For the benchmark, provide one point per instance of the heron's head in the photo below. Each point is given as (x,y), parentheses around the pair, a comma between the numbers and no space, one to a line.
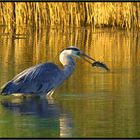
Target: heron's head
(73,51)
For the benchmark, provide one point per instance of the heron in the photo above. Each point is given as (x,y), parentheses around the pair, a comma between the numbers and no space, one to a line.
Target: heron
(44,78)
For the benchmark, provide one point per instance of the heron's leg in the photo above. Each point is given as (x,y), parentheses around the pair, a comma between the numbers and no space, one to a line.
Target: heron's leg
(22,96)
(18,95)
(49,97)
(50,100)
(49,94)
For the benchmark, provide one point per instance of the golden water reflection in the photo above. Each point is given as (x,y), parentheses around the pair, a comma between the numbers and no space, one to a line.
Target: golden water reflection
(101,104)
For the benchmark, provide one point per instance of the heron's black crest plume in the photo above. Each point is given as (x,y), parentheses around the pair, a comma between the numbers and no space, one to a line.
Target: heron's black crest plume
(71,48)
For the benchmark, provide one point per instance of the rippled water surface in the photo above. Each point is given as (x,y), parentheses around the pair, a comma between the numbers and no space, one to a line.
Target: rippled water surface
(92,102)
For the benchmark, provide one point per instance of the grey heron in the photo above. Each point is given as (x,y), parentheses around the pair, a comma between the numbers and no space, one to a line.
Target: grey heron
(43,79)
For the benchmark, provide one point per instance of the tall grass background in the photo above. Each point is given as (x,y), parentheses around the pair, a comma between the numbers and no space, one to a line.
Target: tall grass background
(74,14)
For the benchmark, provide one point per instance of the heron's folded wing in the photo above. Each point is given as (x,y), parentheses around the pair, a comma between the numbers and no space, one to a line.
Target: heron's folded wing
(41,77)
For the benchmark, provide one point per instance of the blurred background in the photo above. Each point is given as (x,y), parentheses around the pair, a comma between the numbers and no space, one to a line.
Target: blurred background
(92,102)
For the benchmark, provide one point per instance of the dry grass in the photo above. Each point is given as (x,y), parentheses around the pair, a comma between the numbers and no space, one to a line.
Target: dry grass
(75,14)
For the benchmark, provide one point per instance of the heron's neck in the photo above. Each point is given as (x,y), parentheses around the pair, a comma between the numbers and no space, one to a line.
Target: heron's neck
(68,69)
(68,64)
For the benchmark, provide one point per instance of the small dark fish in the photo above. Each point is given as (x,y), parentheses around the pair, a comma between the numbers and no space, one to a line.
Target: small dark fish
(100,64)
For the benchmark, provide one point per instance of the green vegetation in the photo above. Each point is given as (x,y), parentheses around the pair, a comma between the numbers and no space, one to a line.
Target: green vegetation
(75,14)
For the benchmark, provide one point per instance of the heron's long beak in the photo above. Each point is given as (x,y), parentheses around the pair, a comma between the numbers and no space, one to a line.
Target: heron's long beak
(84,56)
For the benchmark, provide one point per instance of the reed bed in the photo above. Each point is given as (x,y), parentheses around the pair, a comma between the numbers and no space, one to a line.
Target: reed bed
(75,14)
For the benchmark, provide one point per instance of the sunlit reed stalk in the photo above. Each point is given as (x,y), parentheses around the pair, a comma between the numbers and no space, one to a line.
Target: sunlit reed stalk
(74,14)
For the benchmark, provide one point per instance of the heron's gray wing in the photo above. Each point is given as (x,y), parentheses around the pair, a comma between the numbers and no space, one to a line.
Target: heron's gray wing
(40,78)
(22,76)
(14,84)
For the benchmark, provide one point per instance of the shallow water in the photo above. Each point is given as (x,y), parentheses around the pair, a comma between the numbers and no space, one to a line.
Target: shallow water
(92,102)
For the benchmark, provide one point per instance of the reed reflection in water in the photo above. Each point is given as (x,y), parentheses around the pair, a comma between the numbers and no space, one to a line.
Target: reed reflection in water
(95,103)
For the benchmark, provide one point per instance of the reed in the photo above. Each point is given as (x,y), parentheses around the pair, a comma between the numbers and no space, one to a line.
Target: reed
(74,14)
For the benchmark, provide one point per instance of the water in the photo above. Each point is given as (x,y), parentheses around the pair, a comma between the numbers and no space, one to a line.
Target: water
(92,102)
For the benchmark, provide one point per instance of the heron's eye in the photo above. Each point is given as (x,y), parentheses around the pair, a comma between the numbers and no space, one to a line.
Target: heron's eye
(78,52)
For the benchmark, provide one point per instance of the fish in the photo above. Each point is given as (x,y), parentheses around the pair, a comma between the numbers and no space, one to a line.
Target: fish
(100,64)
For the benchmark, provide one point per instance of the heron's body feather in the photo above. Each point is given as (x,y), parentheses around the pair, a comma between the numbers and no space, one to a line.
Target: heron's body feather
(38,79)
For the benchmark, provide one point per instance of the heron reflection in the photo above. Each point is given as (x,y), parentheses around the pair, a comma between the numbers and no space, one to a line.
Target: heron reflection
(42,109)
